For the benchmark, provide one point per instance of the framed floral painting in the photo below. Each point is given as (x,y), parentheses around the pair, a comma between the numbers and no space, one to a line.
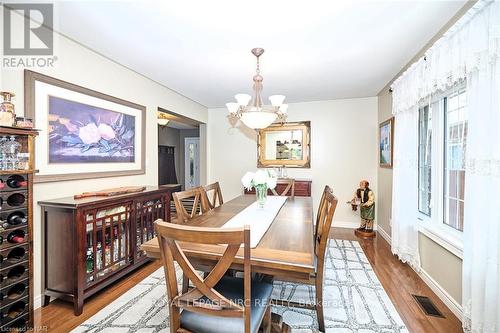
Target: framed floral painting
(83,133)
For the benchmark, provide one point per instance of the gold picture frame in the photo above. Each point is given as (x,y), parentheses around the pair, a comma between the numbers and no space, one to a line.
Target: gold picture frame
(386,143)
(285,145)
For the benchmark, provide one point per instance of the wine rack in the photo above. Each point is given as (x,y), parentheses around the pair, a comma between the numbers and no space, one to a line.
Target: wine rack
(92,242)
(16,211)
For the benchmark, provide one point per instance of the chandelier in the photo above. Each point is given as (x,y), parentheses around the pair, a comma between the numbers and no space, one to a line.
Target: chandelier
(251,111)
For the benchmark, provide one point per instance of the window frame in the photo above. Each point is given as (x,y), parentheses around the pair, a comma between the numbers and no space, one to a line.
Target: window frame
(433,226)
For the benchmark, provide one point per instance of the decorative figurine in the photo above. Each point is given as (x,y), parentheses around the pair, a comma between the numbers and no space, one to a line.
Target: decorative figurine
(7,113)
(365,199)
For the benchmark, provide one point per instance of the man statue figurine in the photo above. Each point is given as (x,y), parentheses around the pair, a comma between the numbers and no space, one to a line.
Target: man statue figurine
(365,198)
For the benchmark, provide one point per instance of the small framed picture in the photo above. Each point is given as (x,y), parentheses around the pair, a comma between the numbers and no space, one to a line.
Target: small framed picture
(386,143)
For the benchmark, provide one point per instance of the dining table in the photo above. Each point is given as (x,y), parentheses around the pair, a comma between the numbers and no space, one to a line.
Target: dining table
(285,251)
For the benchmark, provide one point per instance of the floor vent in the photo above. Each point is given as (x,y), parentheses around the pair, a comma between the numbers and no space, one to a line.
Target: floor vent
(427,306)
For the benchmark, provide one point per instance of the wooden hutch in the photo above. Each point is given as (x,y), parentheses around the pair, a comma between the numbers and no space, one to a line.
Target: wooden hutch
(16,230)
(92,242)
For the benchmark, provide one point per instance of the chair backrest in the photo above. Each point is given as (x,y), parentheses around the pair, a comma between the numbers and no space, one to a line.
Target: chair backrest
(213,195)
(189,204)
(324,219)
(213,303)
(290,186)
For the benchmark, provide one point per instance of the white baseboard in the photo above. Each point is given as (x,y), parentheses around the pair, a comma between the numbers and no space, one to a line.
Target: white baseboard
(384,235)
(348,225)
(442,294)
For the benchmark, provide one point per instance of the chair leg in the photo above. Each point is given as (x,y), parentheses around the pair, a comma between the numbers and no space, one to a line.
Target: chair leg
(319,302)
(266,321)
(185,284)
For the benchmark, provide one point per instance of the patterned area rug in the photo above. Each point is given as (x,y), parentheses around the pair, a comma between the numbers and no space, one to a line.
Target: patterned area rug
(354,301)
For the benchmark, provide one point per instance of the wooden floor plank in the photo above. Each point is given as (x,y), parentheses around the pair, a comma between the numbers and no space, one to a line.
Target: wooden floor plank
(398,279)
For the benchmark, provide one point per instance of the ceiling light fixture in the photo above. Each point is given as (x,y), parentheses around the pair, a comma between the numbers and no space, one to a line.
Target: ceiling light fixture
(162,118)
(251,111)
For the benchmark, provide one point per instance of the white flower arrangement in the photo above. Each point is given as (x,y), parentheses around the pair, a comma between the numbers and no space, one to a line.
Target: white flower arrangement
(260,178)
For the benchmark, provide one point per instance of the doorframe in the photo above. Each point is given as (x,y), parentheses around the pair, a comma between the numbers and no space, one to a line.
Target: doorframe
(202,145)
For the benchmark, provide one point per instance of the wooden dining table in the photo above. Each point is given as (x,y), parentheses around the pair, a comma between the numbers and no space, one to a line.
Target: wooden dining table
(285,251)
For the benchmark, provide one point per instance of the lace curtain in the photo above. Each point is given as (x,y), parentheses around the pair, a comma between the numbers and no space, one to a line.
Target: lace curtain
(404,199)
(471,44)
(481,260)
(469,51)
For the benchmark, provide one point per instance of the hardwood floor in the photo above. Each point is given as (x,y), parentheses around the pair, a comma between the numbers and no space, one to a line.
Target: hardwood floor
(398,279)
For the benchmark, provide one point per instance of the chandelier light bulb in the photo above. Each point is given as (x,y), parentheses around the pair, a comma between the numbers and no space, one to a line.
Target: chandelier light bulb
(283,108)
(232,107)
(277,100)
(243,99)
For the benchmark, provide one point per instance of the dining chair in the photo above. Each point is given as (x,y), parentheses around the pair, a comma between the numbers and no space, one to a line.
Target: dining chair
(217,303)
(290,187)
(189,204)
(326,210)
(213,195)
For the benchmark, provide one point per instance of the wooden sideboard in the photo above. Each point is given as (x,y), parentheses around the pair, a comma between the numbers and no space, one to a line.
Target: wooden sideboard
(302,188)
(92,242)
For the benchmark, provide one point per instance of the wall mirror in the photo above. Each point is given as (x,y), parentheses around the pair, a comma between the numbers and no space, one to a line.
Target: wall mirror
(286,144)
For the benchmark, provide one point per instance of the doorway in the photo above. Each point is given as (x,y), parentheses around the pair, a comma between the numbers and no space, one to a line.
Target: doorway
(180,150)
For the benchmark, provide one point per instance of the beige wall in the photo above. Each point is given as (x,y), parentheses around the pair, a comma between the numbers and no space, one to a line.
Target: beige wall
(441,265)
(384,175)
(343,150)
(444,267)
(79,65)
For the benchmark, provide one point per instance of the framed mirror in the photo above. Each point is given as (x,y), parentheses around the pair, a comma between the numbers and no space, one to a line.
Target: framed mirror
(287,144)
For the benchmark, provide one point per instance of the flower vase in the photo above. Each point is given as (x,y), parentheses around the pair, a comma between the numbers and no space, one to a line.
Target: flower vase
(261,193)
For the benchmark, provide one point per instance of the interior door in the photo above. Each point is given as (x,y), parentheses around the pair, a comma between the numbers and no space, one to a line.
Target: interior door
(192,162)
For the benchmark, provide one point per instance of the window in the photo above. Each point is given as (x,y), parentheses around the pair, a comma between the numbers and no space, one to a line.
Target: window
(424,160)
(442,148)
(455,145)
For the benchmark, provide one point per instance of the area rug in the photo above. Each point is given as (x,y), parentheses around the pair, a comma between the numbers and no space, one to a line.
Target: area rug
(355,301)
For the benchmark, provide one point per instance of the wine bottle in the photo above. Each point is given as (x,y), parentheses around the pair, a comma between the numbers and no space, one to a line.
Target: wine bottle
(16,181)
(16,237)
(17,218)
(90,261)
(16,254)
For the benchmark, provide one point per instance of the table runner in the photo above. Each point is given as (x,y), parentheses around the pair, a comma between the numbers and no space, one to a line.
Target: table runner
(259,219)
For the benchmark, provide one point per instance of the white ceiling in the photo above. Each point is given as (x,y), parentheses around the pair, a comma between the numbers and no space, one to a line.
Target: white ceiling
(315,50)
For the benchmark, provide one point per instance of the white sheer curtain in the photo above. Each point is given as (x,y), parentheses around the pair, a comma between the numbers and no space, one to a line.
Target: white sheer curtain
(470,50)
(404,238)
(481,261)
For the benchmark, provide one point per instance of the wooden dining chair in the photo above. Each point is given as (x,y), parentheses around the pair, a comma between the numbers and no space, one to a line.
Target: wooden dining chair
(326,210)
(289,187)
(189,204)
(217,303)
(213,195)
